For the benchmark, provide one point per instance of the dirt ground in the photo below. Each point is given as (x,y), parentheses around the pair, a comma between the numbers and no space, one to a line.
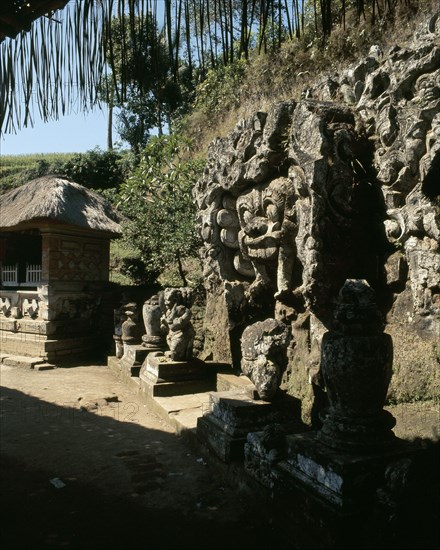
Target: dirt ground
(85,464)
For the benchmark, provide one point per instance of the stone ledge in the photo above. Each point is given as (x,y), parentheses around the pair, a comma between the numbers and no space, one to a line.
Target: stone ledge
(24,361)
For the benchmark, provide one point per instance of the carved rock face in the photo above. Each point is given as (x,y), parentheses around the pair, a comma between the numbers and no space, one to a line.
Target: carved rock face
(263,346)
(295,201)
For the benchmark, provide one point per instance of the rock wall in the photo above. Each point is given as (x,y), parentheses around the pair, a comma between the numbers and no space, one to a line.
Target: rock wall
(342,184)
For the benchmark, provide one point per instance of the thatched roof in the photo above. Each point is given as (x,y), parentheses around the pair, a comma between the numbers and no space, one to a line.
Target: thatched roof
(57,199)
(16,15)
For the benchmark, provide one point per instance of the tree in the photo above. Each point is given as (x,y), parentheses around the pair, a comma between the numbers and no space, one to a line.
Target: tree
(57,62)
(143,83)
(157,200)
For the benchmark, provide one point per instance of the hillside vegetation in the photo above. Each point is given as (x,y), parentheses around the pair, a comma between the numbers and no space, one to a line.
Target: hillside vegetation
(18,169)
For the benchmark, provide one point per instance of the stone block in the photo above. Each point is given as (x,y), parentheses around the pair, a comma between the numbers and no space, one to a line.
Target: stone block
(232,382)
(133,358)
(162,377)
(22,361)
(162,369)
(232,415)
(44,366)
(7,324)
(345,480)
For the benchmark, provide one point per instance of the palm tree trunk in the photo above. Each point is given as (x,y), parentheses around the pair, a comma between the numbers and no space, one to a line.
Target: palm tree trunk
(110,127)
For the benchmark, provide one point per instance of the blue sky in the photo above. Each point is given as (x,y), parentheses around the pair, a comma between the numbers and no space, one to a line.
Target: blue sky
(75,133)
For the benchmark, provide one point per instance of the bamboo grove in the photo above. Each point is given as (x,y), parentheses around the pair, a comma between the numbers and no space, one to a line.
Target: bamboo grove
(57,66)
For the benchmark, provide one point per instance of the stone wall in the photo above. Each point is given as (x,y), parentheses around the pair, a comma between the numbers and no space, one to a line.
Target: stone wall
(75,258)
(343,184)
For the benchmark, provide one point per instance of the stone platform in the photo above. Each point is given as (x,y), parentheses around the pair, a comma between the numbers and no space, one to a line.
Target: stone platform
(161,376)
(346,480)
(180,409)
(231,415)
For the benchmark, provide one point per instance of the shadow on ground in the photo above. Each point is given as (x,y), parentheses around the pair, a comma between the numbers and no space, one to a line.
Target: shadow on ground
(124,485)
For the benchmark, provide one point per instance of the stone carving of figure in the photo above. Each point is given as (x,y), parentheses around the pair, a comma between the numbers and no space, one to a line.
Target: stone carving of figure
(177,322)
(266,236)
(264,358)
(152,313)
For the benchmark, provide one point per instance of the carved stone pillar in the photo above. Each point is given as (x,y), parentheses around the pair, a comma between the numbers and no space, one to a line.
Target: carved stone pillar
(356,362)
(131,330)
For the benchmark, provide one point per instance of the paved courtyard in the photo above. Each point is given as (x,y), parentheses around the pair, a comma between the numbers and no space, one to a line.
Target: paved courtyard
(85,464)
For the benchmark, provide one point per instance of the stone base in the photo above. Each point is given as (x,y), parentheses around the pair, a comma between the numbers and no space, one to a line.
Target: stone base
(161,376)
(232,415)
(48,348)
(345,480)
(133,358)
(233,382)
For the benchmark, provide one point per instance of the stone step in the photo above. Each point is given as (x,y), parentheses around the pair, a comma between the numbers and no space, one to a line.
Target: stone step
(23,361)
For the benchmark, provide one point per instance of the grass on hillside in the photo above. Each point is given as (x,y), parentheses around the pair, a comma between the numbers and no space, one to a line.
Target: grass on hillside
(19,169)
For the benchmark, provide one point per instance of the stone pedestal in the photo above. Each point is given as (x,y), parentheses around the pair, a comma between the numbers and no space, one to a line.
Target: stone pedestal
(133,358)
(345,480)
(160,376)
(231,415)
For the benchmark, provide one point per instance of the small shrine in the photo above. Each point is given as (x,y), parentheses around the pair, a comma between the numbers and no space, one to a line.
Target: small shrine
(54,256)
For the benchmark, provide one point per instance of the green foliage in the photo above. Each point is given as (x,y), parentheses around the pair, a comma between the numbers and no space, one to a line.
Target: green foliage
(148,91)
(126,266)
(16,170)
(157,200)
(220,90)
(95,169)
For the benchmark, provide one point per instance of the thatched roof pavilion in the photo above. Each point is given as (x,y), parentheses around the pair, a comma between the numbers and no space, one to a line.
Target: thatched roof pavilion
(54,262)
(58,200)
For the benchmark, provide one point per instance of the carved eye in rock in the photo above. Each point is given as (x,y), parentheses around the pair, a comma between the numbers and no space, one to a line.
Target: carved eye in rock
(227,218)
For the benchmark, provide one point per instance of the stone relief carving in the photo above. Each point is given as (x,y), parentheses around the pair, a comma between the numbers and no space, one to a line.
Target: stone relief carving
(295,201)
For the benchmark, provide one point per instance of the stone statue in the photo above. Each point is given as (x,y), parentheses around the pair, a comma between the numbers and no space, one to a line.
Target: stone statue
(152,313)
(356,363)
(176,320)
(264,358)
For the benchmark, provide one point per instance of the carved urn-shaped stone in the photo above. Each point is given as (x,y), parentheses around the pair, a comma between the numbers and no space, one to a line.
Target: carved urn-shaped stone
(151,312)
(131,329)
(356,362)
